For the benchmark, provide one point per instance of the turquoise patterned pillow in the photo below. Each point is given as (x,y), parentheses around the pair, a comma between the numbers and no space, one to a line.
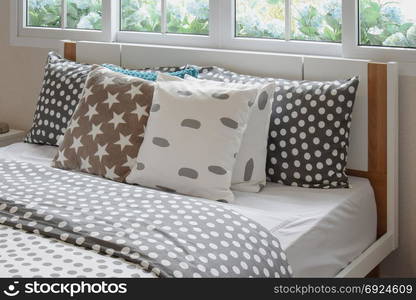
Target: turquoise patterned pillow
(150,75)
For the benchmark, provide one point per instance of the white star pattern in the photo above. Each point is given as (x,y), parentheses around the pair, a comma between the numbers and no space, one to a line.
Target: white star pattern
(131,162)
(107,81)
(101,152)
(117,120)
(111,100)
(85,164)
(74,124)
(144,131)
(76,144)
(103,71)
(140,111)
(96,130)
(130,78)
(61,157)
(135,91)
(88,92)
(92,111)
(124,141)
(107,135)
(110,173)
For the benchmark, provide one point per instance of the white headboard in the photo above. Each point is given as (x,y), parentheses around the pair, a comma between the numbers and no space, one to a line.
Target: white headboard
(317,68)
(294,67)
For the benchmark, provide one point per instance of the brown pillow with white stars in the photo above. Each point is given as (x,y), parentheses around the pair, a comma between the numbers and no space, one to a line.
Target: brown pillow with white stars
(107,128)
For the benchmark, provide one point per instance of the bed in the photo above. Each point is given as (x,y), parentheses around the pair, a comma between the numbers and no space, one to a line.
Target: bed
(336,226)
(324,233)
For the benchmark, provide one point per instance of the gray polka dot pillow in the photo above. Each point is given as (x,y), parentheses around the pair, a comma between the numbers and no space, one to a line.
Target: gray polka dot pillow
(62,88)
(309,128)
(309,133)
(193,134)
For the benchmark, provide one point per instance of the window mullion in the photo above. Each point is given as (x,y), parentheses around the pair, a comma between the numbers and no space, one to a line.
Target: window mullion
(22,13)
(288,17)
(163,16)
(349,27)
(222,22)
(110,19)
(64,14)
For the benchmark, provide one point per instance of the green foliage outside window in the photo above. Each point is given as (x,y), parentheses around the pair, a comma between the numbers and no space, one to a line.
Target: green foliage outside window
(44,13)
(383,23)
(315,20)
(141,15)
(183,16)
(84,14)
(81,14)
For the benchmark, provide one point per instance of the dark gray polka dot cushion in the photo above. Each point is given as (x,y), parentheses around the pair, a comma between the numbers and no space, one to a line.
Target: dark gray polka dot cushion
(309,129)
(62,88)
(309,133)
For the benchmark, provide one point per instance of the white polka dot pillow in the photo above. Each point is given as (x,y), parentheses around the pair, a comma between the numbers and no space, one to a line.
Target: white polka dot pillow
(309,133)
(192,137)
(63,84)
(309,129)
(249,174)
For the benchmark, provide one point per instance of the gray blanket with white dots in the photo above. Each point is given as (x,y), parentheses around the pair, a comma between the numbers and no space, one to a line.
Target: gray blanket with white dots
(167,234)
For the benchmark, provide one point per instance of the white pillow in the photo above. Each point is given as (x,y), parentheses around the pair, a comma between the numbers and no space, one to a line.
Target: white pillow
(193,134)
(249,173)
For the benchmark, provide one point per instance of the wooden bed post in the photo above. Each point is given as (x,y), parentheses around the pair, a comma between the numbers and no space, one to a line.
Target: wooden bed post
(70,50)
(377,141)
(377,145)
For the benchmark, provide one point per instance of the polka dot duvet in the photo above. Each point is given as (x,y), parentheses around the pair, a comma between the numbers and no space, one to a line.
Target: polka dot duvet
(160,234)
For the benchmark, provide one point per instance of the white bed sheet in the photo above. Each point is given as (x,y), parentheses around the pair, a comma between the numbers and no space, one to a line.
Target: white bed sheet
(321,230)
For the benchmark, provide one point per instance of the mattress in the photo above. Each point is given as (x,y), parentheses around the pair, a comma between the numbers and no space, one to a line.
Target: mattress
(322,231)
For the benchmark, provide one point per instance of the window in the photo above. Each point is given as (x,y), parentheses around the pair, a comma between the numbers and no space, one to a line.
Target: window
(317,20)
(44,13)
(84,14)
(374,29)
(141,15)
(388,23)
(80,14)
(260,19)
(188,16)
(179,16)
(308,20)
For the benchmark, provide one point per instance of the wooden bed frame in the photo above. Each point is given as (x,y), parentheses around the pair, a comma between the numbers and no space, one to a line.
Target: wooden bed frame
(379,125)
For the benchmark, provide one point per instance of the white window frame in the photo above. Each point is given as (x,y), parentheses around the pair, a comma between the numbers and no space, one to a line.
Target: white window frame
(350,40)
(210,40)
(230,41)
(23,35)
(221,34)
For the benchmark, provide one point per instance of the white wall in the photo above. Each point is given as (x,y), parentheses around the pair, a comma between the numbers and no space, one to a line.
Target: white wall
(21,76)
(403,261)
